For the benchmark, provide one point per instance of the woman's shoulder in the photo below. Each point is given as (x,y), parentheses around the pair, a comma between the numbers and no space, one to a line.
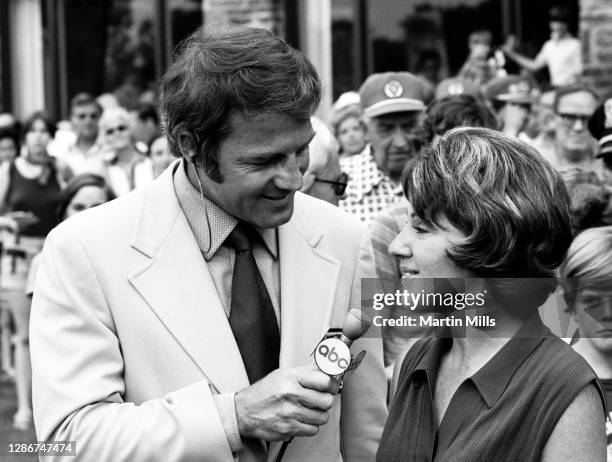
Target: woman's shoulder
(555,357)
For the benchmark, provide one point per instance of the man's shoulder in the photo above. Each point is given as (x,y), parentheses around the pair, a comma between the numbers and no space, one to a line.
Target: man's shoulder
(328,218)
(115,218)
(323,212)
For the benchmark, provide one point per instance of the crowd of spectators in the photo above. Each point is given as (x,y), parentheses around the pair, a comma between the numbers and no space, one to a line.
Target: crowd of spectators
(390,153)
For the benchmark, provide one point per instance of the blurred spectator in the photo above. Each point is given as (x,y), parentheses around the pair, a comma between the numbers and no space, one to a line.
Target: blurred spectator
(146,125)
(83,192)
(9,144)
(562,53)
(8,121)
(574,145)
(511,98)
(600,126)
(428,66)
(590,204)
(393,105)
(126,167)
(441,116)
(456,86)
(347,99)
(479,68)
(587,289)
(82,154)
(30,191)
(324,179)
(540,130)
(456,111)
(350,130)
(107,101)
(160,155)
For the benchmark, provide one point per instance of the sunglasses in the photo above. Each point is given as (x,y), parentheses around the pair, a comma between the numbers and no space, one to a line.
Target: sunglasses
(339,184)
(119,128)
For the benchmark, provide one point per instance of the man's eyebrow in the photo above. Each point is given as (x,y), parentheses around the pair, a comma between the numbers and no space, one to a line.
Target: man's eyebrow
(265,155)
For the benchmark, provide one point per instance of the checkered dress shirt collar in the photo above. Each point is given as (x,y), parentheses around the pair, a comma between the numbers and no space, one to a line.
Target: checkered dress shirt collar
(369,190)
(209,223)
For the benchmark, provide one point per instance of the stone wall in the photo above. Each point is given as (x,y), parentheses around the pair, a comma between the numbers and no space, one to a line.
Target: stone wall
(596,35)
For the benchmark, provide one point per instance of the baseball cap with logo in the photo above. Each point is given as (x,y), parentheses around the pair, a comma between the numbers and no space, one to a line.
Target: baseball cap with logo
(511,89)
(394,92)
(455,86)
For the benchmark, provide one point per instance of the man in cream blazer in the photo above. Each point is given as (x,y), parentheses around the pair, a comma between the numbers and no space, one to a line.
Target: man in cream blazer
(131,346)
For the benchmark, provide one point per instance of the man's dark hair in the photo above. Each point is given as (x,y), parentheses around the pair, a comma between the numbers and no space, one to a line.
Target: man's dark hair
(84,99)
(456,111)
(559,13)
(242,70)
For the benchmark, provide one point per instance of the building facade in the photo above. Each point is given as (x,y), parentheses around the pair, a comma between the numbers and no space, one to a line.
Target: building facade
(53,49)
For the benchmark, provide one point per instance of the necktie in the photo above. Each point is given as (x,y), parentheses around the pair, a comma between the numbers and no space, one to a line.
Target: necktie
(252,316)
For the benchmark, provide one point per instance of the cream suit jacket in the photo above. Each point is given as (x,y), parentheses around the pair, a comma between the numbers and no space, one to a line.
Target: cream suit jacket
(129,340)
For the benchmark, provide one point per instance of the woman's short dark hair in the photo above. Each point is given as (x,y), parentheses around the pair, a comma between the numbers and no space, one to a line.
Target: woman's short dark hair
(38,115)
(240,70)
(9,132)
(456,111)
(75,185)
(511,204)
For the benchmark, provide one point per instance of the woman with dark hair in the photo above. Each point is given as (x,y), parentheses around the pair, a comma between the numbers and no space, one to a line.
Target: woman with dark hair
(9,144)
(83,192)
(486,209)
(29,193)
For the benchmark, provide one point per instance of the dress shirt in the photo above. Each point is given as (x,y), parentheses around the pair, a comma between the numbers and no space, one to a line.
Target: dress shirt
(369,190)
(211,225)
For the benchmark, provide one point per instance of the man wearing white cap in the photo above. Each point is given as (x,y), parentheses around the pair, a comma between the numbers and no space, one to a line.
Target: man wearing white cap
(393,105)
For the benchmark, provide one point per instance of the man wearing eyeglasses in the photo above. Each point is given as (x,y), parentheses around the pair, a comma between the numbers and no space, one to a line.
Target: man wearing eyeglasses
(573,106)
(324,179)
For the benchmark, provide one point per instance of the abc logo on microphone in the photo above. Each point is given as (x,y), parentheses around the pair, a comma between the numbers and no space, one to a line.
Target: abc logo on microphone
(332,356)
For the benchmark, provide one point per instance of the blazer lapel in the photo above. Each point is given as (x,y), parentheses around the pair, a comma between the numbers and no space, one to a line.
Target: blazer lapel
(308,286)
(177,285)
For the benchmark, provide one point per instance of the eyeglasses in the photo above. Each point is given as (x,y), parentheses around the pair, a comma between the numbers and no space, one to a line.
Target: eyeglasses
(119,128)
(570,119)
(340,183)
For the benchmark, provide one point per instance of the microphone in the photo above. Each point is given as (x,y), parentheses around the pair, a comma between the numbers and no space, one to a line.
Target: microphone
(356,324)
(332,355)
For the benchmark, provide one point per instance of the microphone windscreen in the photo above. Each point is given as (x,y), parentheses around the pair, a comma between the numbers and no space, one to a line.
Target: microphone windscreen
(356,324)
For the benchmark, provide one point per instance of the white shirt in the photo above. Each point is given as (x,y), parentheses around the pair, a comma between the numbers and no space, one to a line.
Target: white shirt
(564,60)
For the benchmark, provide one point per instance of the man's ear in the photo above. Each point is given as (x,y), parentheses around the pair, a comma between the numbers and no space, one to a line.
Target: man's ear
(309,180)
(187,146)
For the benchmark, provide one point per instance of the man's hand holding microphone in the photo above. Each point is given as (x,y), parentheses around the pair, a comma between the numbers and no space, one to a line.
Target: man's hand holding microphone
(295,401)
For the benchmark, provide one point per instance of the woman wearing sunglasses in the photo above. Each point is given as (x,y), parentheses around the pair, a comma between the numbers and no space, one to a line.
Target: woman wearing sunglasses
(126,167)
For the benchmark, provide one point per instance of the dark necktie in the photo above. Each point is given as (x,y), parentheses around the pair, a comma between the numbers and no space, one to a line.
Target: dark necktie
(252,316)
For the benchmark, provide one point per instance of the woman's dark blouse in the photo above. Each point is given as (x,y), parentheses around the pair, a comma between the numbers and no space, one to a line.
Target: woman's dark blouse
(504,412)
(29,195)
